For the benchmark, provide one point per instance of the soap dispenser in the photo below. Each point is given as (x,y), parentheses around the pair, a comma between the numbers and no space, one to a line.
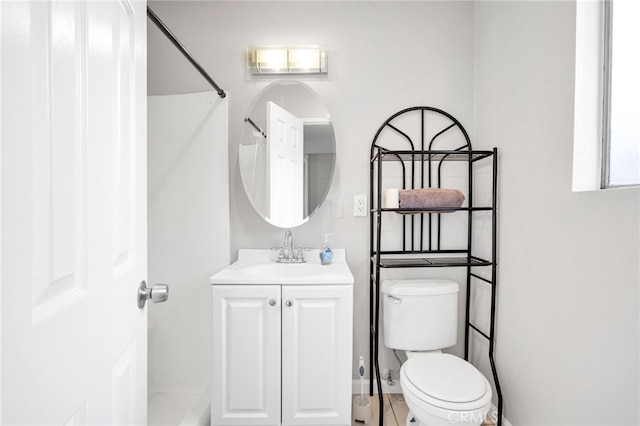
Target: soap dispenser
(326,254)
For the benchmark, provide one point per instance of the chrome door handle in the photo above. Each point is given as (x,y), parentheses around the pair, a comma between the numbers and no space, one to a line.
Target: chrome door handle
(272,302)
(158,293)
(288,303)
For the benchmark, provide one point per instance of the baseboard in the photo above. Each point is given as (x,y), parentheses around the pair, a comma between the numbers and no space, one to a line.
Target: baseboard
(386,388)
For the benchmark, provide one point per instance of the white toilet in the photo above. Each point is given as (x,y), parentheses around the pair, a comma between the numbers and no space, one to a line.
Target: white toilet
(421,317)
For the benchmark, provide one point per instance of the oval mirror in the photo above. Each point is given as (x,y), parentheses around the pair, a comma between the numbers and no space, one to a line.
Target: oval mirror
(287,153)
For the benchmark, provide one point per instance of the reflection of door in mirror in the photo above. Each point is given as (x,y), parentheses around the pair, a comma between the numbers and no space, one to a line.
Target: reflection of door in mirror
(286,169)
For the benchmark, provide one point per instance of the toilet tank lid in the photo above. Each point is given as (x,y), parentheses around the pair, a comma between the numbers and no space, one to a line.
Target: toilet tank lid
(419,287)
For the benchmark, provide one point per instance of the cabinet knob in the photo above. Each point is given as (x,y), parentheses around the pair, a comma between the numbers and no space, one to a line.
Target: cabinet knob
(272,302)
(288,303)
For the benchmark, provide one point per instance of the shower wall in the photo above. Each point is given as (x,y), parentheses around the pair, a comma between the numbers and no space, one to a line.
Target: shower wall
(188,235)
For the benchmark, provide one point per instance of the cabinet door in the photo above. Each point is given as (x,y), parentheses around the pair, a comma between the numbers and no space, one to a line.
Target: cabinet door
(246,355)
(316,355)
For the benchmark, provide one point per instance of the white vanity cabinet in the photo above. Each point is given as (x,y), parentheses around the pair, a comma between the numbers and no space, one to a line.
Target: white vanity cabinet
(282,354)
(246,348)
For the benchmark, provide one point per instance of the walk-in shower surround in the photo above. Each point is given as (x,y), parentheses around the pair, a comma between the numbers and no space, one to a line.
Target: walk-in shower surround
(188,233)
(505,69)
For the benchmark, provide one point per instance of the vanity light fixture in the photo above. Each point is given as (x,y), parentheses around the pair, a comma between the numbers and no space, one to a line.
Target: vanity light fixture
(279,60)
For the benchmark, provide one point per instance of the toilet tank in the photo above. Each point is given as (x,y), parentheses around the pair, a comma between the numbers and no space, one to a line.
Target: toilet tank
(420,314)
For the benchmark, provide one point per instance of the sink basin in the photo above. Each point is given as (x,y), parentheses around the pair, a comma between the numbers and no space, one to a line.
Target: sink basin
(259,266)
(289,270)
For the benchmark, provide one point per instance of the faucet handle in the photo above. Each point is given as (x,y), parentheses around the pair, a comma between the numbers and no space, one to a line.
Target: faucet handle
(288,239)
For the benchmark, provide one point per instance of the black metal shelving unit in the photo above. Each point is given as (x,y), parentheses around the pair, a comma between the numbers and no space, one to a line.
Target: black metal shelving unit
(420,143)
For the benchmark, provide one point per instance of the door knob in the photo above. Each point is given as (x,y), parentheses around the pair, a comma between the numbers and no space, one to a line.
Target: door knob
(272,302)
(288,303)
(158,293)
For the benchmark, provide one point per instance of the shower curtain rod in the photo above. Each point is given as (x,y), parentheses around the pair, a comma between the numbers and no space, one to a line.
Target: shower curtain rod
(154,18)
(255,126)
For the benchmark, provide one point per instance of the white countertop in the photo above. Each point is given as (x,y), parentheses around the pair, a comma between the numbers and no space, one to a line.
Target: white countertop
(258,266)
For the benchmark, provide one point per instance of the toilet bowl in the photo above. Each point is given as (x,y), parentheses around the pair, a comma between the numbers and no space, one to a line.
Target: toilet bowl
(442,389)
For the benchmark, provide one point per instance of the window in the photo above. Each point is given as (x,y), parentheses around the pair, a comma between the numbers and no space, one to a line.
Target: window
(621,97)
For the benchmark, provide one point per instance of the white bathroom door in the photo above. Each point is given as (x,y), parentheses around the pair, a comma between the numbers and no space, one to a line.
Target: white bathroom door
(73,218)
(286,166)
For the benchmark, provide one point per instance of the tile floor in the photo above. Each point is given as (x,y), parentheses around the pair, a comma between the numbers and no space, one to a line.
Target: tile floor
(395,411)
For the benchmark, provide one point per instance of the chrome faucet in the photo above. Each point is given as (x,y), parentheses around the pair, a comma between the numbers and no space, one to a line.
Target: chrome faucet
(288,241)
(288,253)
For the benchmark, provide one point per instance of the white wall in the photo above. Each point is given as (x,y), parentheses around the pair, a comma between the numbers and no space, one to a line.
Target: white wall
(377,67)
(568,304)
(567,335)
(188,235)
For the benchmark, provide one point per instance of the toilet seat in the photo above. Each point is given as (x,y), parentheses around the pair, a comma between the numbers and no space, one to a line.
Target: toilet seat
(445,381)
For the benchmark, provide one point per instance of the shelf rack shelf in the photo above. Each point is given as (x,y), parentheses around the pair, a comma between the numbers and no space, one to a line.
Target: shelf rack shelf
(433,262)
(439,155)
(422,129)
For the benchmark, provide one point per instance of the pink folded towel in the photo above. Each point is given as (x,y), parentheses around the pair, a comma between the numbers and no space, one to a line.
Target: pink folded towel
(424,198)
